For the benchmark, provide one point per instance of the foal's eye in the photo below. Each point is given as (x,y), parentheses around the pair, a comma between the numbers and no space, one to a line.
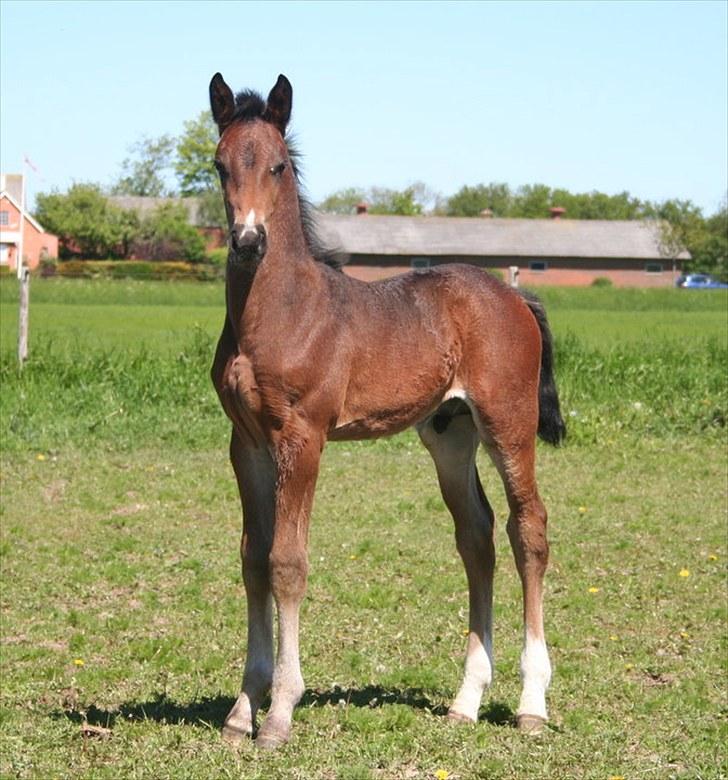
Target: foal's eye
(277,170)
(220,169)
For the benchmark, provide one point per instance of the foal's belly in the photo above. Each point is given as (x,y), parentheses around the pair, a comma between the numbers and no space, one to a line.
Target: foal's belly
(382,410)
(382,422)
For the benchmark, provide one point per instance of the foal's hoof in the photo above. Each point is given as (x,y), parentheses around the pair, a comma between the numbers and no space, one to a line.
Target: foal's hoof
(531,725)
(272,737)
(234,736)
(459,717)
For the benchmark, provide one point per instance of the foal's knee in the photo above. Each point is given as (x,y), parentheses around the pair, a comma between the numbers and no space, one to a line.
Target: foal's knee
(288,573)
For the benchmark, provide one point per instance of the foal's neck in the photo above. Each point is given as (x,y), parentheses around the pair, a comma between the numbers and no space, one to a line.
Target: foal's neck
(285,274)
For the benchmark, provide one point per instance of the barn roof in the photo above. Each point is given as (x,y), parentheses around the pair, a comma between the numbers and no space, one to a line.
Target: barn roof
(374,234)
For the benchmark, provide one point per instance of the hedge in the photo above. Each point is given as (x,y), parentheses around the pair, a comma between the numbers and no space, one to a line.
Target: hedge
(133,269)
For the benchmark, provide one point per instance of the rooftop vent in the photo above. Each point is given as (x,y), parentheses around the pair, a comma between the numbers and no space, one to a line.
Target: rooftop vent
(557,212)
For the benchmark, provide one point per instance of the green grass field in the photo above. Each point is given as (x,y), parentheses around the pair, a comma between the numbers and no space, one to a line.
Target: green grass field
(122,605)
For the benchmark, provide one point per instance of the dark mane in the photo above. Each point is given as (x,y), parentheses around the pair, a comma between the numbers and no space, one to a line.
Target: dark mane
(249,105)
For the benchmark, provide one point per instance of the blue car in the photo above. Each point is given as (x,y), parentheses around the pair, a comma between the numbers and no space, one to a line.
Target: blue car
(700,282)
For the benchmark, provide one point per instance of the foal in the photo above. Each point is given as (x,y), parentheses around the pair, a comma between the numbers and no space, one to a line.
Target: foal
(308,354)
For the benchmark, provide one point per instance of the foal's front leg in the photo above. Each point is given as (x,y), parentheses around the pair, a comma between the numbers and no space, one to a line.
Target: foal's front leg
(297,464)
(255,472)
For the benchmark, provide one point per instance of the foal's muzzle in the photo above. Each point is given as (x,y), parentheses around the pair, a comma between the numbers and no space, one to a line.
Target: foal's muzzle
(248,243)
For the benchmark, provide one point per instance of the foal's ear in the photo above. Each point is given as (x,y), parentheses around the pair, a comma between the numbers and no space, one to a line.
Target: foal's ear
(278,107)
(222,102)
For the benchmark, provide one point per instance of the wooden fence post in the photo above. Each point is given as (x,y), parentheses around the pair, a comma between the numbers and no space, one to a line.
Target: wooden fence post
(23,316)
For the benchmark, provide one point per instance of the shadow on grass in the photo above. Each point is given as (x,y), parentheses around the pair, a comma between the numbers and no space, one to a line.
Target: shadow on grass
(210,711)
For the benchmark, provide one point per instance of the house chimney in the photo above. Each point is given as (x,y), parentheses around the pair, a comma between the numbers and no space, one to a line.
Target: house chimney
(557,212)
(486,214)
(362,208)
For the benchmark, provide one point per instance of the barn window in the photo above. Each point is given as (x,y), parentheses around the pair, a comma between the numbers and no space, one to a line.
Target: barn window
(653,268)
(420,263)
(538,265)
(4,218)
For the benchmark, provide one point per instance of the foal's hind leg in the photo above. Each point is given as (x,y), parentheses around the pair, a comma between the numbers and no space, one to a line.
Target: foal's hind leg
(527,533)
(256,481)
(453,450)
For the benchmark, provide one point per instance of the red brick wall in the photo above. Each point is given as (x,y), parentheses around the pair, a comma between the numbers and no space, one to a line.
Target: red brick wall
(35,244)
(558,277)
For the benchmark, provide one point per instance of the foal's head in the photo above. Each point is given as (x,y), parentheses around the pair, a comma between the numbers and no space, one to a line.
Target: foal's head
(256,173)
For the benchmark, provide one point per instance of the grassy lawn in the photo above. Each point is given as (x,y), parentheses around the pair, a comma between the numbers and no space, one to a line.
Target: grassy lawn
(123,617)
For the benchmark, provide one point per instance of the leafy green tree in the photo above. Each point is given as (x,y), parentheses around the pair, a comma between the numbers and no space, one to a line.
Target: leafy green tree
(411,201)
(597,205)
(143,174)
(86,224)
(195,154)
(532,201)
(707,243)
(343,201)
(679,225)
(471,201)
(401,202)
(167,235)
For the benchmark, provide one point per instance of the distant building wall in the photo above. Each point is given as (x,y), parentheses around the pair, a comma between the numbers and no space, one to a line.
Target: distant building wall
(36,243)
(572,272)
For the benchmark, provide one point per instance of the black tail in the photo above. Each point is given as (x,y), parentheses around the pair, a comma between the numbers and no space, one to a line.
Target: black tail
(551,427)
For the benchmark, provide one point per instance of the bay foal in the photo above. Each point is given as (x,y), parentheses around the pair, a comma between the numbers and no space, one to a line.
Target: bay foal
(308,354)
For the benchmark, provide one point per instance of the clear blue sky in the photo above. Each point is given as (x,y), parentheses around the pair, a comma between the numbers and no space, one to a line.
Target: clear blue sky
(610,96)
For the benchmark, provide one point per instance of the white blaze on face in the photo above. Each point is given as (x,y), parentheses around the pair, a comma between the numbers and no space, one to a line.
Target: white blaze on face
(249,224)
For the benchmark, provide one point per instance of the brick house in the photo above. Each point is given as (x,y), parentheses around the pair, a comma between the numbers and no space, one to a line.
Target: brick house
(37,244)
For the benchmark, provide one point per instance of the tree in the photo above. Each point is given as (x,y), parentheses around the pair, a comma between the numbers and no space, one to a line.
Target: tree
(167,235)
(706,240)
(471,201)
(532,201)
(380,200)
(679,225)
(343,201)
(195,154)
(86,224)
(401,202)
(143,175)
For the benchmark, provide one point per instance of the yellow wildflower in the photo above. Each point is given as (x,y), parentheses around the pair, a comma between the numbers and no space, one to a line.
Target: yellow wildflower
(712,557)
(683,573)
(78,662)
(613,637)
(593,590)
(685,635)
(582,509)
(40,456)
(442,774)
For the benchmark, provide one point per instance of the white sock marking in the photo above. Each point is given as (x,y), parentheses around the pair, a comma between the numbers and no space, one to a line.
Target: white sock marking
(536,675)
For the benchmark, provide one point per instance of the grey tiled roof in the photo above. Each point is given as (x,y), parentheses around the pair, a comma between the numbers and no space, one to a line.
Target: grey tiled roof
(371,234)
